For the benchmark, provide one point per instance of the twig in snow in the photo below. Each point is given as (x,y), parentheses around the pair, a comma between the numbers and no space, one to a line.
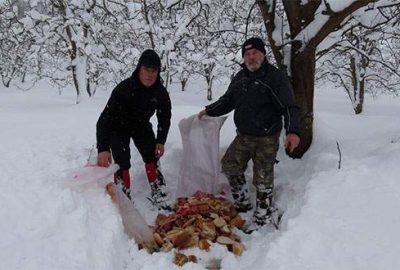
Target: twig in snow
(340,156)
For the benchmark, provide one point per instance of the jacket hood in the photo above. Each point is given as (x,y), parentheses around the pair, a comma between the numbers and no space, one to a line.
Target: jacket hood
(149,58)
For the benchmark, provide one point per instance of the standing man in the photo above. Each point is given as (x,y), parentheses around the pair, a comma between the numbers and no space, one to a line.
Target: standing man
(127,115)
(260,95)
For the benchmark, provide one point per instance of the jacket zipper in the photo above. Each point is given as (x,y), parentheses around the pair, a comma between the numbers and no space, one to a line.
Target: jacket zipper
(272,91)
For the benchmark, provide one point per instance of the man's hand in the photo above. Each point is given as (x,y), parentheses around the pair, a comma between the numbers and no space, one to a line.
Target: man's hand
(201,114)
(159,150)
(292,141)
(104,159)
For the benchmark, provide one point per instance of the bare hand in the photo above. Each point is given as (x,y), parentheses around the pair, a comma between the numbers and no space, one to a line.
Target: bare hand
(292,141)
(201,114)
(159,150)
(104,159)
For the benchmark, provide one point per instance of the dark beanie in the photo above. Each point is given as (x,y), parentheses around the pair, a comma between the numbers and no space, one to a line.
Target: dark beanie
(150,58)
(253,43)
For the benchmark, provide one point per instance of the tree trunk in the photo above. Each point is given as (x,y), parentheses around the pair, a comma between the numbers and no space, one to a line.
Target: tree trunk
(208,71)
(7,82)
(72,50)
(76,83)
(209,88)
(359,106)
(183,83)
(88,90)
(303,72)
(358,83)
(168,79)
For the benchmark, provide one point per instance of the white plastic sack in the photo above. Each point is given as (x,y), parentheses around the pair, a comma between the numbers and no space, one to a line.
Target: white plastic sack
(200,168)
(134,223)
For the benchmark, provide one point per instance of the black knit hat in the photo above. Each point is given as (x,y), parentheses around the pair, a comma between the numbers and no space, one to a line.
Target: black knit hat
(150,58)
(253,43)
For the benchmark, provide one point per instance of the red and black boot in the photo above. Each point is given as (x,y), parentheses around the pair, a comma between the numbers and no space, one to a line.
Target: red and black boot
(159,193)
(123,180)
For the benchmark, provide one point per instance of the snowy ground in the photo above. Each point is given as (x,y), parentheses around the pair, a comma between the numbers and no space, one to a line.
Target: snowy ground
(335,218)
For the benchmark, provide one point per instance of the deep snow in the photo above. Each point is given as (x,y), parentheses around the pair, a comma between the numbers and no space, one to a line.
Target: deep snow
(334,218)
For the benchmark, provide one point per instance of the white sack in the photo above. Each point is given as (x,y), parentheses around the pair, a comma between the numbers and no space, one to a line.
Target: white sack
(200,168)
(134,223)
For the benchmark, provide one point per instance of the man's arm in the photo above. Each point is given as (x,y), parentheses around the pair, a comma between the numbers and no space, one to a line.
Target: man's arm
(112,110)
(290,112)
(223,105)
(163,114)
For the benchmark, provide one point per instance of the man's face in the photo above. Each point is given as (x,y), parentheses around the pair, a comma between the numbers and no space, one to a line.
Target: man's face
(148,76)
(253,59)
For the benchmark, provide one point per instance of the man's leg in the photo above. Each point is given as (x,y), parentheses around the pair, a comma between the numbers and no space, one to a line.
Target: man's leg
(122,154)
(234,164)
(263,178)
(145,143)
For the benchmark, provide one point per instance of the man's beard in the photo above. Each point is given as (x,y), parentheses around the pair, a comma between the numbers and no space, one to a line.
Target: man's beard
(254,66)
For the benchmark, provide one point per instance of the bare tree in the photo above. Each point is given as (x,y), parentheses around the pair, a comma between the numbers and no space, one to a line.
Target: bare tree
(371,60)
(15,43)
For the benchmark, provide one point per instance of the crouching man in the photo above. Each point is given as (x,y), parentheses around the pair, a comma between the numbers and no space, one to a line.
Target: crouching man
(127,116)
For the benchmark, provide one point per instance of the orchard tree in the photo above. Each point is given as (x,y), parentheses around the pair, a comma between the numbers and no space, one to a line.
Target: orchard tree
(213,37)
(16,58)
(295,29)
(86,42)
(365,60)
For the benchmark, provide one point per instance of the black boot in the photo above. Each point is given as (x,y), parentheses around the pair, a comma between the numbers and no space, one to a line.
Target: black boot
(264,210)
(240,193)
(159,194)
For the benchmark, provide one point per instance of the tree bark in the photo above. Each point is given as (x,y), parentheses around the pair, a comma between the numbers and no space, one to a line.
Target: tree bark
(88,88)
(209,87)
(76,83)
(359,107)
(303,72)
(208,74)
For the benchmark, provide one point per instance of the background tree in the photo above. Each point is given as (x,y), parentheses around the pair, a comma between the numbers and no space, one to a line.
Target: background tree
(363,61)
(15,43)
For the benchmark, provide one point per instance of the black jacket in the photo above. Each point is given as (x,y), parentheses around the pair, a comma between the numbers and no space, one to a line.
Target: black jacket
(259,99)
(130,107)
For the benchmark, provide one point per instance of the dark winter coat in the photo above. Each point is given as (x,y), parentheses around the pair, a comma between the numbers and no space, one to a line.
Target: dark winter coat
(130,107)
(259,99)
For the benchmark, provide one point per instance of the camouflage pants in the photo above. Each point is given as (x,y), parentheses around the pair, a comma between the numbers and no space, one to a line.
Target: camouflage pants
(261,150)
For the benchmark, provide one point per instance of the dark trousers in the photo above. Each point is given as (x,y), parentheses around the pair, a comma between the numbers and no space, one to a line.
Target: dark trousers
(144,140)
